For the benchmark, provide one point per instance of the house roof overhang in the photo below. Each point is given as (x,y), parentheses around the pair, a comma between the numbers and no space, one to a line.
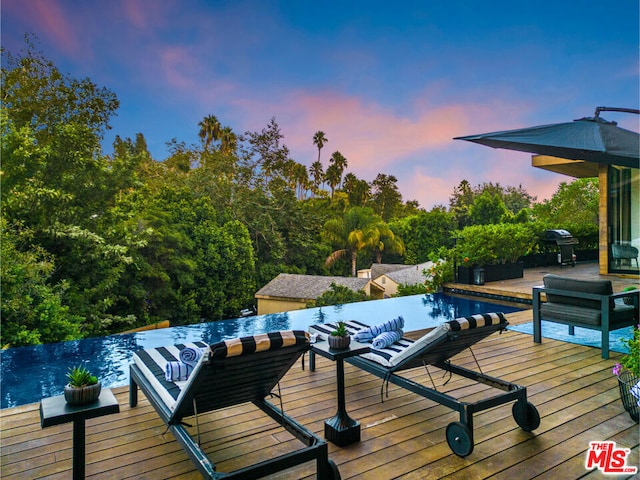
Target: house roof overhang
(565,166)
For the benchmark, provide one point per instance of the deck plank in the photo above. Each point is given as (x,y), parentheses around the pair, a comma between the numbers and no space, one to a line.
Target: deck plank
(402,437)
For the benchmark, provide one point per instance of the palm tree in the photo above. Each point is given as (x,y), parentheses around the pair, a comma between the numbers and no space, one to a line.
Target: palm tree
(210,130)
(317,173)
(388,242)
(332,177)
(358,229)
(302,180)
(319,139)
(340,163)
(228,141)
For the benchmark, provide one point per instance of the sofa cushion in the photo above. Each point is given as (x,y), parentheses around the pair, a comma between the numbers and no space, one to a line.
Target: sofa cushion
(587,316)
(598,287)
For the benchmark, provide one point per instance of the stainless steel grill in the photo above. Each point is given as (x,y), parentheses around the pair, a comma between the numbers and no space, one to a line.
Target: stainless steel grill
(565,241)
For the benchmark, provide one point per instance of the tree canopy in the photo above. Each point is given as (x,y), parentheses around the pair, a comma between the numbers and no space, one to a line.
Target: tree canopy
(96,243)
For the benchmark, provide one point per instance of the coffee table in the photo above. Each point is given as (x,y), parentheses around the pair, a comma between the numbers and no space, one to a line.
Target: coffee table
(56,411)
(341,429)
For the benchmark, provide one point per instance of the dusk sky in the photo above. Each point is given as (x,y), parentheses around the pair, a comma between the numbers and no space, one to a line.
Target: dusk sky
(390,83)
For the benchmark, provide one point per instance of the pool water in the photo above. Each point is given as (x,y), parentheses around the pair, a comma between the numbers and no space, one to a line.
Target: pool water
(31,373)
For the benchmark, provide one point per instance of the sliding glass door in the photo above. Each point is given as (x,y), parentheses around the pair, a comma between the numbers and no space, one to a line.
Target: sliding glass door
(624,219)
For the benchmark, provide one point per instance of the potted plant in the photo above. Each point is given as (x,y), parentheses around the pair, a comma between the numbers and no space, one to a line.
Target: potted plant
(496,248)
(628,373)
(83,387)
(339,338)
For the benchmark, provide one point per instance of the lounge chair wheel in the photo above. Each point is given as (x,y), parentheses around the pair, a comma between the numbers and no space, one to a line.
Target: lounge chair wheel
(459,439)
(526,415)
(333,471)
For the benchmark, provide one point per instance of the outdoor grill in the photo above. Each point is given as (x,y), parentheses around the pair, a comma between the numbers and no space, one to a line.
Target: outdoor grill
(564,240)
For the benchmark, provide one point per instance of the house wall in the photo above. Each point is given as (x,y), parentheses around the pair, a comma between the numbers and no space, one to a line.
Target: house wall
(388,286)
(377,294)
(603,256)
(364,273)
(277,305)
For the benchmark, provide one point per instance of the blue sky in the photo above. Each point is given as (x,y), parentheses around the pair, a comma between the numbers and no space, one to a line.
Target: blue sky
(390,84)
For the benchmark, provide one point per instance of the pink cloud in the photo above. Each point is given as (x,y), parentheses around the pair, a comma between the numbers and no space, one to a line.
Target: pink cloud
(49,19)
(417,147)
(366,133)
(428,189)
(147,14)
(178,67)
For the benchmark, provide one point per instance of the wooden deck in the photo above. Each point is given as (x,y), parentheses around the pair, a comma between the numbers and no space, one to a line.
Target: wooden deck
(403,437)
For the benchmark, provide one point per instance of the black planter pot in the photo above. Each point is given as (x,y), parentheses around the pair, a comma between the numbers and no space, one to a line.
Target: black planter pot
(82,395)
(339,343)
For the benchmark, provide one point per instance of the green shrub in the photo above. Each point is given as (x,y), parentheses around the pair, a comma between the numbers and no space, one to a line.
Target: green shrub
(338,295)
(493,244)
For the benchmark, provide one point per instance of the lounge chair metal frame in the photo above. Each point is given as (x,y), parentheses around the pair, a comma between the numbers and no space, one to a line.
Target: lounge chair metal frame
(231,381)
(459,434)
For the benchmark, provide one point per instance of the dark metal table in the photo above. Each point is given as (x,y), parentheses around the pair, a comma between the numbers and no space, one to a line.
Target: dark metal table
(341,429)
(56,411)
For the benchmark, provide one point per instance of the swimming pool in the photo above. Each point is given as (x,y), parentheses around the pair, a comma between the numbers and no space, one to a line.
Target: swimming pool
(31,373)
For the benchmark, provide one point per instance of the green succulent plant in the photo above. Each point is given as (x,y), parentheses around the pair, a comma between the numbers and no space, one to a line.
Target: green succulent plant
(341,330)
(81,377)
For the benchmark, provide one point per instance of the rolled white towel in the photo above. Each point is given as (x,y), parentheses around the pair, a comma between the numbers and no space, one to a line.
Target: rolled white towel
(191,355)
(368,334)
(176,371)
(386,338)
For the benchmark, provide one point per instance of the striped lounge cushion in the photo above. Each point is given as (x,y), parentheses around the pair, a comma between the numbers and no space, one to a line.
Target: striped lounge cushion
(259,343)
(394,353)
(406,348)
(152,362)
(478,320)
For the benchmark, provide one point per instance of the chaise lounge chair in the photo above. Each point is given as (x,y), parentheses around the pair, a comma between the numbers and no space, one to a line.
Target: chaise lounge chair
(436,348)
(229,373)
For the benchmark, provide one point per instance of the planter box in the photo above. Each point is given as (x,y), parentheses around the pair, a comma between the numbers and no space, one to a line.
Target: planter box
(492,273)
(550,259)
(465,275)
(503,271)
(539,260)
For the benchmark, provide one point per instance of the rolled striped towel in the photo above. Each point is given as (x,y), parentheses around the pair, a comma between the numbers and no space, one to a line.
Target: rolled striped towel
(176,371)
(191,355)
(386,338)
(368,334)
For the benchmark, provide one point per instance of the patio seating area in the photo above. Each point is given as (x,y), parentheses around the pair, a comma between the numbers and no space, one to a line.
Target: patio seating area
(571,385)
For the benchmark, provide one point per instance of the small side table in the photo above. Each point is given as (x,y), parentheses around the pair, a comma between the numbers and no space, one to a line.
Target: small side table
(341,429)
(56,411)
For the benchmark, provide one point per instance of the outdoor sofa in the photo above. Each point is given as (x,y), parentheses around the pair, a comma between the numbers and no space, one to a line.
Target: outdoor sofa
(583,303)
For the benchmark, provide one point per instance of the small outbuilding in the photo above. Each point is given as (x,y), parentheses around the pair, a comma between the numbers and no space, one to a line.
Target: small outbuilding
(289,291)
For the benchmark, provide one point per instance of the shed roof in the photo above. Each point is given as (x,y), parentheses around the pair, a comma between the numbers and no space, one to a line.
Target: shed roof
(307,287)
(378,269)
(411,275)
